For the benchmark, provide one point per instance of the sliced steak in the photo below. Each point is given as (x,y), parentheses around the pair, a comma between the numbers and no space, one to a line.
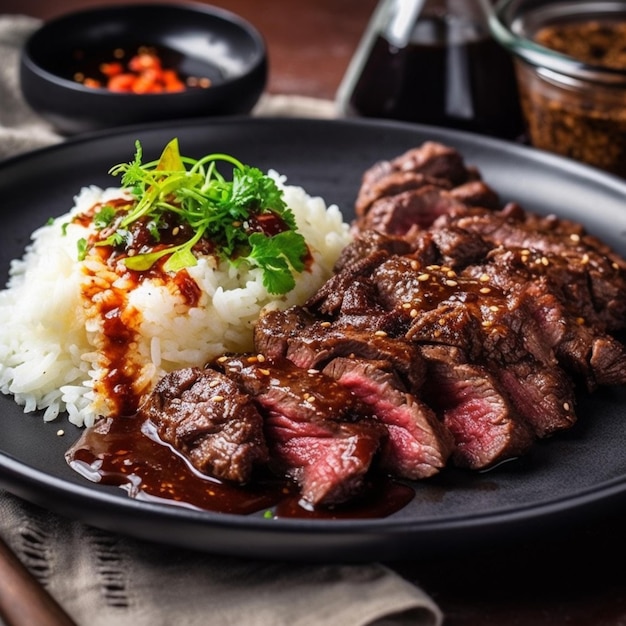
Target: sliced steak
(476,193)
(436,160)
(204,416)
(275,329)
(589,276)
(392,183)
(583,349)
(468,399)
(324,341)
(369,242)
(396,215)
(418,444)
(319,434)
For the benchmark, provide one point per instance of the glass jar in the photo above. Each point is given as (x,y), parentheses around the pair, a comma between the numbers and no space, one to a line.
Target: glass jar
(570,60)
(433,62)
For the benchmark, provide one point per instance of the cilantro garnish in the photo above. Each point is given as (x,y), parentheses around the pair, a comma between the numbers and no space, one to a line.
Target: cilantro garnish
(230,214)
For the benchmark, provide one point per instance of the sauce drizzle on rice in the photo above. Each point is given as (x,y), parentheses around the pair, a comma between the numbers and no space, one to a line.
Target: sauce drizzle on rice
(106,332)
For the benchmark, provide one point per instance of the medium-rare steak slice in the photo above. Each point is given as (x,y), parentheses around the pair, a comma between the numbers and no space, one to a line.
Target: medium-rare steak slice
(397,215)
(584,350)
(588,277)
(493,330)
(436,160)
(369,242)
(324,341)
(392,183)
(203,415)
(312,344)
(275,329)
(468,399)
(418,444)
(476,193)
(319,434)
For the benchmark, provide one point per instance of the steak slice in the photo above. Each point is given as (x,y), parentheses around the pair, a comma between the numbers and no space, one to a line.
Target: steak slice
(203,415)
(324,341)
(468,399)
(275,329)
(492,329)
(582,349)
(587,276)
(392,183)
(397,215)
(436,160)
(319,434)
(418,444)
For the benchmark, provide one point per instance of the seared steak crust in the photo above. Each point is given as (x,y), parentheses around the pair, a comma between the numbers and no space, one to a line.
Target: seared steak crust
(203,414)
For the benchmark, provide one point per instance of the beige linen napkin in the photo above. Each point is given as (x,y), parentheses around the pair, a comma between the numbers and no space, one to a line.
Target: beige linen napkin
(104,579)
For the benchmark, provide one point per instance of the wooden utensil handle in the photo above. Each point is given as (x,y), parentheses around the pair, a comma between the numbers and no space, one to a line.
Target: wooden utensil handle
(23,601)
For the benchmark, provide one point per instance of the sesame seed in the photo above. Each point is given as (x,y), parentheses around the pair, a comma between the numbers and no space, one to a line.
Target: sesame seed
(406,305)
(575,237)
(217,398)
(380,333)
(566,406)
(252,359)
(494,308)
(485,290)
(451,274)
(222,359)
(423,277)
(451,283)
(585,259)
(484,278)
(60,432)
(415,265)
(264,371)
(260,358)
(413,313)
(214,383)
(325,324)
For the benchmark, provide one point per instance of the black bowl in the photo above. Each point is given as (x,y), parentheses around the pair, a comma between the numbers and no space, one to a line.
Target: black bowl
(196,40)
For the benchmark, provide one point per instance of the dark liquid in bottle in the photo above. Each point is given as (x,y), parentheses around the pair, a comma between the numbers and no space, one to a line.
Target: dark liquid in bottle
(449,75)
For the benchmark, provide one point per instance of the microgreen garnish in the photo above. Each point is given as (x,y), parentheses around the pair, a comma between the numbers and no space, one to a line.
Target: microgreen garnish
(232,215)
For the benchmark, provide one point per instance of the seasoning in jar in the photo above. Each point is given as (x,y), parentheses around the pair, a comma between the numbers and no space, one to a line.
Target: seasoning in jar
(580,115)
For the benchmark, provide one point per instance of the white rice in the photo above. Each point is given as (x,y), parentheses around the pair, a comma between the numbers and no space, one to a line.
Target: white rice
(51,331)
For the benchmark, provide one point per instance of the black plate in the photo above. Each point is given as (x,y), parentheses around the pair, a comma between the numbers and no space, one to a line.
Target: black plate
(577,474)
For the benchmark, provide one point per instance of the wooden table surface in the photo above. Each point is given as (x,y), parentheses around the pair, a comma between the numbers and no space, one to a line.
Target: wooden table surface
(572,576)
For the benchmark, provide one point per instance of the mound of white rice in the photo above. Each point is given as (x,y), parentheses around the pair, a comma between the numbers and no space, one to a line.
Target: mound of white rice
(51,324)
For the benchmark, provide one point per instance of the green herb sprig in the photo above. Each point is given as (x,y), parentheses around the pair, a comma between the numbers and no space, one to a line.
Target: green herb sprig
(219,210)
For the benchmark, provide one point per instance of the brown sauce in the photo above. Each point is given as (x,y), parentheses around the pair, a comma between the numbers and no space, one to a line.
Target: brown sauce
(418,83)
(126,452)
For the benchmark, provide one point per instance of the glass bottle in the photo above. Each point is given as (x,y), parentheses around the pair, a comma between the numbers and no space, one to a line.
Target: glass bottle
(434,62)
